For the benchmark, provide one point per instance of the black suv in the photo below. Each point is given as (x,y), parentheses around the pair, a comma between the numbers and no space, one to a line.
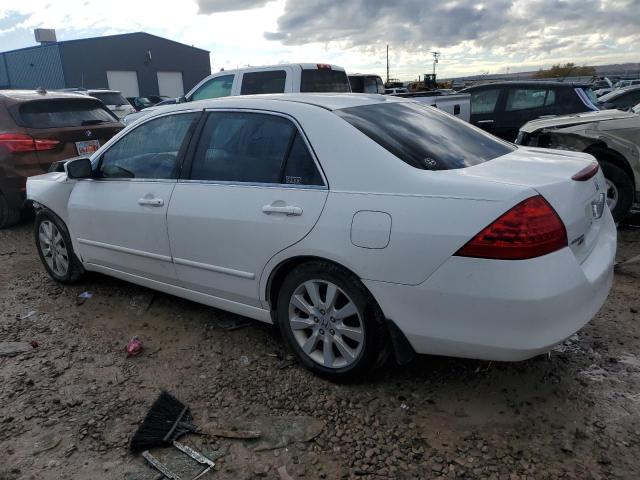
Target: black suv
(501,108)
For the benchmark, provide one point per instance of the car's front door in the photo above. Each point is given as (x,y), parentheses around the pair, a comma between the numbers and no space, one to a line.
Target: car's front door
(252,189)
(523,104)
(119,218)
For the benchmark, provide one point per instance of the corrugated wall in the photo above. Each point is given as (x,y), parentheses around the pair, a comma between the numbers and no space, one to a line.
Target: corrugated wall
(34,67)
(4,78)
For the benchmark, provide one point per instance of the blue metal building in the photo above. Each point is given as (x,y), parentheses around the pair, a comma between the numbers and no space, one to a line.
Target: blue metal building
(137,64)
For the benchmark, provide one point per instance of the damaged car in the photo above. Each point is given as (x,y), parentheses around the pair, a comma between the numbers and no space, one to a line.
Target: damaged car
(611,136)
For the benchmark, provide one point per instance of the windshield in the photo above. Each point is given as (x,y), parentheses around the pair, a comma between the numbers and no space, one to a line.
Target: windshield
(424,137)
(64,113)
(324,80)
(110,98)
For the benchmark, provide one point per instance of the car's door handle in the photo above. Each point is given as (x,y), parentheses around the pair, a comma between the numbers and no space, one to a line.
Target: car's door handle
(151,202)
(285,209)
(485,122)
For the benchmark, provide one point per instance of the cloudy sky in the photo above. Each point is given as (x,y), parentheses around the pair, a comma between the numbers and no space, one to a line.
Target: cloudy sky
(473,37)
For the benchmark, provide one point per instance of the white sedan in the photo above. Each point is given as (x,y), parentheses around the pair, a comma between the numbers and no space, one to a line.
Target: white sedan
(361,225)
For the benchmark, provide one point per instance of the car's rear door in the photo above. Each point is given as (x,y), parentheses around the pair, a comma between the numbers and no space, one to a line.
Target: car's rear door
(251,189)
(522,104)
(119,218)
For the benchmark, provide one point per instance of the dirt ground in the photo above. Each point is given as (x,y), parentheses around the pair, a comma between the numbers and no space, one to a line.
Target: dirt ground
(69,407)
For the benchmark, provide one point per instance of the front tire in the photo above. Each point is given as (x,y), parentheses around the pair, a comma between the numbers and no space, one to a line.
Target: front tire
(331,322)
(55,249)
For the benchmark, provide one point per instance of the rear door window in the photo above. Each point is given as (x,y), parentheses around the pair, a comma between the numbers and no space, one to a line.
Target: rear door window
(263,82)
(215,88)
(424,137)
(253,148)
(324,80)
(484,101)
(61,113)
(526,98)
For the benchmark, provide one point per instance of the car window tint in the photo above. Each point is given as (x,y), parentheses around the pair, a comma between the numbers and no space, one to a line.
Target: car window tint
(525,98)
(148,151)
(424,137)
(324,80)
(214,88)
(263,82)
(300,168)
(242,147)
(484,101)
(64,113)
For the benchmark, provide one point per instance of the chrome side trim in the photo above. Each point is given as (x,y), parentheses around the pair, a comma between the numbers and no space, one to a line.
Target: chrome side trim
(254,184)
(214,268)
(130,251)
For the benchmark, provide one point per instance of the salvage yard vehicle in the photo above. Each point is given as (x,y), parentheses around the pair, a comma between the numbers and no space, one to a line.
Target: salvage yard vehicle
(38,128)
(284,78)
(621,98)
(501,108)
(360,224)
(365,83)
(114,101)
(611,136)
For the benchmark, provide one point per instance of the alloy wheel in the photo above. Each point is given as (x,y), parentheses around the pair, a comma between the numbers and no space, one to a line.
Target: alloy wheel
(326,324)
(53,248)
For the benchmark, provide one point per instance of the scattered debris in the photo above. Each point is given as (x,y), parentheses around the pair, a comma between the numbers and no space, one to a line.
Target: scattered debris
(83,297)
(34,344)
(404,406)
(284,475)
(278,432)
(570,345)
(244,360)
(10,349)
(27,315)
(134,347)
(47,442)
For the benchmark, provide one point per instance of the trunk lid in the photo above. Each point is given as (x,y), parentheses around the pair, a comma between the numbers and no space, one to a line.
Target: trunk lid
(549,173)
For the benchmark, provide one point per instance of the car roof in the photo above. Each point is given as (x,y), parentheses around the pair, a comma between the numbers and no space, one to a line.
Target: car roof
(304,66)
(18,96)
(529,83)
(327,101)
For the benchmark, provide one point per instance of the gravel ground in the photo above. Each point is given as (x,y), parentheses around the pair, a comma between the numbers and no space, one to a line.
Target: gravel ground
(69,406)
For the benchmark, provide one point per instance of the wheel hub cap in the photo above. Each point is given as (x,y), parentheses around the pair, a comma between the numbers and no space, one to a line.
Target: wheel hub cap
(53,248)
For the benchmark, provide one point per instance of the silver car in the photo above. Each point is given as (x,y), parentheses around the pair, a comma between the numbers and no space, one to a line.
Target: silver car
(612,136)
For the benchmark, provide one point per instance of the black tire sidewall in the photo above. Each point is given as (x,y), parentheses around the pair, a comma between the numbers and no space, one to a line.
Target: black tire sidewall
(75,269)
(373,320)
(623,183)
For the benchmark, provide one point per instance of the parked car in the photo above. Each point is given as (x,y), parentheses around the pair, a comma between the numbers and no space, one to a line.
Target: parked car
(284,78)
(621,98)
(358,224)
(138,103)
(113,99)
(363,83)
(611,136)
(456,104)
(38,128)
(502,108)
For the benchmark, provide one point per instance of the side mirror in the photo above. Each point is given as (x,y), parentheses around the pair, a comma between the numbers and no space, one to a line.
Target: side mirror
(182,99)
(79,168)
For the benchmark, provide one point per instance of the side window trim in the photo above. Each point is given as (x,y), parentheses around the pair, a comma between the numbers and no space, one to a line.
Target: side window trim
(181,153)
(185,176)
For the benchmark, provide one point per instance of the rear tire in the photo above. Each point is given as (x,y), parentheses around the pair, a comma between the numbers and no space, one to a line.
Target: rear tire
(331,322)
(55,249)
(619,189)
(9,216)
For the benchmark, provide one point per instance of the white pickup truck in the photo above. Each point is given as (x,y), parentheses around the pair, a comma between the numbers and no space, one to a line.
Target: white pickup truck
(457,104)
(286,78)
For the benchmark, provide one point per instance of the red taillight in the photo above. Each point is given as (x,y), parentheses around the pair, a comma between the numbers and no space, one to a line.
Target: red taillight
(587,172)
(530,229)
(20,142)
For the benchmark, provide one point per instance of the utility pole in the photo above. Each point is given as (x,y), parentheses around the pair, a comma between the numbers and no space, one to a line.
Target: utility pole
(436,55)
(387,63)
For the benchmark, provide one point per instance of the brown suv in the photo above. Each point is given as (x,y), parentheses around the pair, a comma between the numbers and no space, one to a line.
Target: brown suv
(38,128)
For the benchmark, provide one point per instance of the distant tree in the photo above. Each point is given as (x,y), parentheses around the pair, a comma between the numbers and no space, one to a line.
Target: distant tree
(567,70)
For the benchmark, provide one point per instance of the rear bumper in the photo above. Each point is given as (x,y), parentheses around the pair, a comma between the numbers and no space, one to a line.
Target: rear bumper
(502,310)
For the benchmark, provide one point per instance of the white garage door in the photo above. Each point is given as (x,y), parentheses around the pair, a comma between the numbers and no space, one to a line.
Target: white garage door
(170,84)
(124,81)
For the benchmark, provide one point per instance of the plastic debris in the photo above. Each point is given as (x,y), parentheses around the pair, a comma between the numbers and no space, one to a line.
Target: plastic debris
(244,360)
(83,297)
(34,344)
(29,314)
(278,432)
(404,406)
(134,347)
